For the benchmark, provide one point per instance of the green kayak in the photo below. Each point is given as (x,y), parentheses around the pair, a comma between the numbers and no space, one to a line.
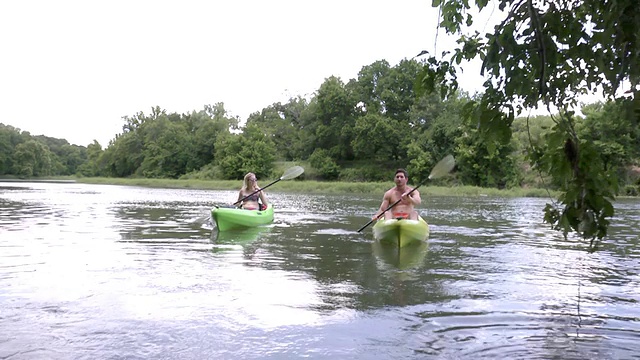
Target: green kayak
(401,232)
(234,218)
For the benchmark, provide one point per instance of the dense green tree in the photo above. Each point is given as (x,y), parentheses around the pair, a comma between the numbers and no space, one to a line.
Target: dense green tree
(440,127)
(166,145)
(548,53)
(615,135)
(369,87)
(55,147)
(125,153)
(331,119)
(32,158)
(251,151)
(530,132)
(92,166)
(425,110)
(281,123)
(307,135)
(10,137)
(167,149)
(379,138)
(479,166)
(385,99)
(205,126)
(293,112)
(398,93)
(326,166)
(382,89)
(61,157)
(123,156)
(72,156)
(529,135)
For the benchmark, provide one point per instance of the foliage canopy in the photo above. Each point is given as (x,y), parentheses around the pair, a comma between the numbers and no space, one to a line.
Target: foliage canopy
(548,53)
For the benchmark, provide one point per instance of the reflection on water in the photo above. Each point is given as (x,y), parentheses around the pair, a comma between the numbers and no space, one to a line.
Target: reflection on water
(92,271)
(239,236)
(401,258)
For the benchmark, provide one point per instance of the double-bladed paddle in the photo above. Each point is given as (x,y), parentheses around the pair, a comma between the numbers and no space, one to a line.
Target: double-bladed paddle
(443,167)
(290,173)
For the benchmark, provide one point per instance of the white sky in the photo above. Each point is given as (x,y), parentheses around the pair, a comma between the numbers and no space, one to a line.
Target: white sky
(72,69)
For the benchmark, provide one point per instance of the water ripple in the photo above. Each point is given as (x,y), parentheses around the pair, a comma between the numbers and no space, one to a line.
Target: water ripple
(127,272)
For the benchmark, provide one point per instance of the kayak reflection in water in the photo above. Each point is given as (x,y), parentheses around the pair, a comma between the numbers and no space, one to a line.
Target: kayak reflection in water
(251,201)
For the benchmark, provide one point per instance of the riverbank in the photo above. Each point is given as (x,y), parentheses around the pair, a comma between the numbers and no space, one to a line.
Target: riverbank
(318,187)
(38,180)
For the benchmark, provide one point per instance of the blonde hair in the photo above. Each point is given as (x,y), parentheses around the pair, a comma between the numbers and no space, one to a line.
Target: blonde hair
(246,184)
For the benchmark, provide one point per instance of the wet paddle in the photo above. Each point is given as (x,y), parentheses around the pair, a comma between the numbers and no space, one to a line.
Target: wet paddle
(443,167)
(290,173)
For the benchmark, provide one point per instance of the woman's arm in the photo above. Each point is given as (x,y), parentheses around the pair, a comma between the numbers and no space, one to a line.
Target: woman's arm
(263,197)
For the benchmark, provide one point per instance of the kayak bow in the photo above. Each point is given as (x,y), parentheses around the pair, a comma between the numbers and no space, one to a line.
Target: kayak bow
(401,232)
(234,218)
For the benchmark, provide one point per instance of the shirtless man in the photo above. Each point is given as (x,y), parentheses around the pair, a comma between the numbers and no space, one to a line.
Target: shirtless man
(404,209)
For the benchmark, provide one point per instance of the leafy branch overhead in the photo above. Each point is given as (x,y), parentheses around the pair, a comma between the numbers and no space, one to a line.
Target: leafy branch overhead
(548,53)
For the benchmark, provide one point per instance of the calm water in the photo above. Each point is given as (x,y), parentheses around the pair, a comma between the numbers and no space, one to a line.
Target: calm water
(110,272)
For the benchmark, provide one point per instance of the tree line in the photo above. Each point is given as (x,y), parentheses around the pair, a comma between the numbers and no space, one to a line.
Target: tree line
(360,130)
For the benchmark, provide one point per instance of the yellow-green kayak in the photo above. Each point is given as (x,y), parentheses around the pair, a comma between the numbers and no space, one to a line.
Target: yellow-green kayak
(234,218)
(401,232)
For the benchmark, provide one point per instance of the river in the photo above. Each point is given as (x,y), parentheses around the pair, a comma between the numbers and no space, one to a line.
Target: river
(116,272)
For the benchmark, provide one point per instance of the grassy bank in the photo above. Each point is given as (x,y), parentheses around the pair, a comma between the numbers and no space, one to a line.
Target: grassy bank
(317,187)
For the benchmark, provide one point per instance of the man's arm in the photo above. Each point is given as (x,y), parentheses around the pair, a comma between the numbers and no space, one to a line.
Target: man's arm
(414,197)
(383,206)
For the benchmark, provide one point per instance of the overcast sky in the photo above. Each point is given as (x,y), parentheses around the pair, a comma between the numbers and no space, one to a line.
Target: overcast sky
(73,69)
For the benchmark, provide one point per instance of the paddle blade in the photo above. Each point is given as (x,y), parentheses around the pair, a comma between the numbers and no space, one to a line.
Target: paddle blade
(443,167)
(292,172)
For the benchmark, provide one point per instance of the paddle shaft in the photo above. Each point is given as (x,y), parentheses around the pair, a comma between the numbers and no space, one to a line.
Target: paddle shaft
(389,208)
(291,173)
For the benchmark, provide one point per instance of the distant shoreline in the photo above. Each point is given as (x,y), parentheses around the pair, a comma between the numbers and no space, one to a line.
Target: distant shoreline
(318,187)
(295,186)
(304,186)
(38,180)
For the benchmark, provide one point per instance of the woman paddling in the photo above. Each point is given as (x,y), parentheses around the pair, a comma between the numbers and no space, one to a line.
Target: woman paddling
(252,201)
